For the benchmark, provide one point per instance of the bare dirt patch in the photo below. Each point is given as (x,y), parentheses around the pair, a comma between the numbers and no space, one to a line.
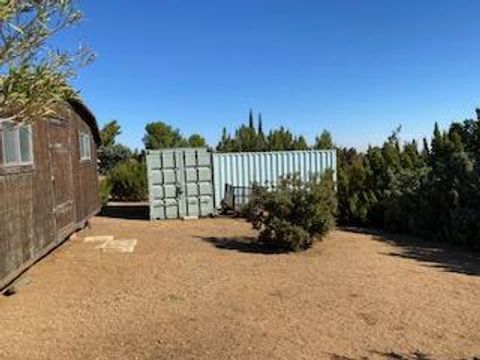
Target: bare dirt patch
(200,290)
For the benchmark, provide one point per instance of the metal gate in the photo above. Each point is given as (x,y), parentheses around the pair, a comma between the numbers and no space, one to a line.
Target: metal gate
(180,183)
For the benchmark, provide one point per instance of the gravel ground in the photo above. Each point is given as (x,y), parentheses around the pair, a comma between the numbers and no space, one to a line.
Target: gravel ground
(195,290)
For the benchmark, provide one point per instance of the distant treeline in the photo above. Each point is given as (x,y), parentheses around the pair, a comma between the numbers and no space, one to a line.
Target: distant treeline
(252,138)
(430,189)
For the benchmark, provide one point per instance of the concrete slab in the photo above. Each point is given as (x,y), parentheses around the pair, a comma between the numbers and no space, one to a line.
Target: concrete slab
(102,238)
(119,246)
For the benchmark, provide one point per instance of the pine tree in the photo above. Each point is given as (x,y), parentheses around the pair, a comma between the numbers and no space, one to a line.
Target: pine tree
(300,143)
(250,120)
(324,141)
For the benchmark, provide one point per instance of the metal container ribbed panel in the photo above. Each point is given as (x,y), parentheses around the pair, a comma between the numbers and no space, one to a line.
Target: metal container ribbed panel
(266,168)
(180,183)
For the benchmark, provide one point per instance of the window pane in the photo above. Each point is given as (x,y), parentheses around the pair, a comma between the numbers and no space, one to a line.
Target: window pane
(89,145)
(25,144)
(80,145)
(10,143)
(85,146)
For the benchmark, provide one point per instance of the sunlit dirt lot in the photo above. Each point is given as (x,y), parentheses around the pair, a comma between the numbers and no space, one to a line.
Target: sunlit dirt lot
(198,290)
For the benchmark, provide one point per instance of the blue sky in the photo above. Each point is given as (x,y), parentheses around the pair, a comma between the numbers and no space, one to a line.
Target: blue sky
(357,68)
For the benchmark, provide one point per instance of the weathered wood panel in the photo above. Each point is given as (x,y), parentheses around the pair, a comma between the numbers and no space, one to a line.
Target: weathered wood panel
(60,138)
(85,174)
(43,203)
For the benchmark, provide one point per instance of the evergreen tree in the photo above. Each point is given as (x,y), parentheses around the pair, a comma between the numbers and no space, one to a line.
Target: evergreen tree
(225,144)
(260,125)
(250,120)
(196,140)
(280,139)
(261,140)
(300,143)
(110,153)
(324,141)
(109,132)
(160,135)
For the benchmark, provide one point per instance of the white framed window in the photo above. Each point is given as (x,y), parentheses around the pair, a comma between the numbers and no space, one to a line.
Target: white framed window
(85,143)
(16,142)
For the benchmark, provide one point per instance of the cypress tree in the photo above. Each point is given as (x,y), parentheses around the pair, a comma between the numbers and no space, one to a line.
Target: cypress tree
(250,120)
(260,125)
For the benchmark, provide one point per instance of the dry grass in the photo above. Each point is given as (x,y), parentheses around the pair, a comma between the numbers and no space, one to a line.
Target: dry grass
(198,290)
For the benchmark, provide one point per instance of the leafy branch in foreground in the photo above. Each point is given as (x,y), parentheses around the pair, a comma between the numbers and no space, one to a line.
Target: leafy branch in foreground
(33,78)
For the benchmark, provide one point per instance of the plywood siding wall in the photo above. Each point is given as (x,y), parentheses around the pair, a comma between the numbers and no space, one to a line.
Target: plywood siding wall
(85,176)
(27,220)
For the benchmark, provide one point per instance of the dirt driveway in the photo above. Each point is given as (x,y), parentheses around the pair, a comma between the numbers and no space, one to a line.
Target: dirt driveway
(191,290)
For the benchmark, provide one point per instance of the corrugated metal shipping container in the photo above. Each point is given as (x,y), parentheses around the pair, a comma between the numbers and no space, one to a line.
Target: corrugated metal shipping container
(245,169)
(180,183)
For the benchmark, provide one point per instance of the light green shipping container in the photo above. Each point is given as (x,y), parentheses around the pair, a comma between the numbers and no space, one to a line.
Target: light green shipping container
(180,183)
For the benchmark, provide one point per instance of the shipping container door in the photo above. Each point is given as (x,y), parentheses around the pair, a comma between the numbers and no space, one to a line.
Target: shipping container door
(180,183)
(60,151)
(198,183)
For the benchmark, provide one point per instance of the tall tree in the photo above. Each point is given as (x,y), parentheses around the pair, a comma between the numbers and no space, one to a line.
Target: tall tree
(261,139)
(109,133)
(280,139)
(324,141)
(110,153)
(32,77)
(226,142)
(246,139)
(160,135)
(300,143)
(250,120)
(260,125)
(196,140)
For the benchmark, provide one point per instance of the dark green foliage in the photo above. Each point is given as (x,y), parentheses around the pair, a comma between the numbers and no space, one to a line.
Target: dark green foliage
(250,138)
(159,135)
(196,140)
(260,125)
(110,153)
(376,187)
(110,156)
(246,139)
(250,120)
(324,141)
(434,193)
(110,132)
(128,181)
(294,214)
(280,139)
(300,143)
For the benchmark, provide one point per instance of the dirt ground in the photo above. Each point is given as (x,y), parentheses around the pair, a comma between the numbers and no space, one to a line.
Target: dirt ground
(196,290)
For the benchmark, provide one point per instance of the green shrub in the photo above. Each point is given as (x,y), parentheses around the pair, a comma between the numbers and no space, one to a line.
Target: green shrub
(129,181)
(112,155)
(294,214)
(105,189)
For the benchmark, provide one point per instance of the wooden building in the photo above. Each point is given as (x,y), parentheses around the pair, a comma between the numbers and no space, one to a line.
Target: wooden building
(48,184)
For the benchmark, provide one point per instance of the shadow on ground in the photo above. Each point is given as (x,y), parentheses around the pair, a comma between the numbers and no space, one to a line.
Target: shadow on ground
(443,256)
(416,355)
(129,211)
(242,244)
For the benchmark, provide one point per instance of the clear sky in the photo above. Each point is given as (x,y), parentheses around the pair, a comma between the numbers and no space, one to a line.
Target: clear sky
(357,68)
